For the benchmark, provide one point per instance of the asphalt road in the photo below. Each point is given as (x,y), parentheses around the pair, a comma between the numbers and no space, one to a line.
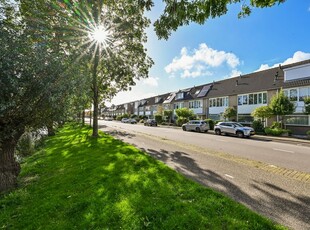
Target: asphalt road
(271,178)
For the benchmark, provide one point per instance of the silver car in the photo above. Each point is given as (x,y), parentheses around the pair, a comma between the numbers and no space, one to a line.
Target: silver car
(234,128)
(196,125)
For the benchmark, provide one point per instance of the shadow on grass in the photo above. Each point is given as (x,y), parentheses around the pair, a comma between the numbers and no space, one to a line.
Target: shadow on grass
(88,183)
(272,195)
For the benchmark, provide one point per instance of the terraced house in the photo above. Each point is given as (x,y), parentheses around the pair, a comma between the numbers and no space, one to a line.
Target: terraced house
(244,93)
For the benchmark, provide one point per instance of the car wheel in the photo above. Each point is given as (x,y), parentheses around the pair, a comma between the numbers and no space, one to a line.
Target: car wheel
(198,130)
(240,134)
(217,132)
(184,128)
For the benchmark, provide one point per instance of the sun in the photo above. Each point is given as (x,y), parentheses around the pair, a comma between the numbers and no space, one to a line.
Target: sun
(100,35)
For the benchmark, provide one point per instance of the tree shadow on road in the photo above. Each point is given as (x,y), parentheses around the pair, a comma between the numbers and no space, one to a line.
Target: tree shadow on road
(268,197)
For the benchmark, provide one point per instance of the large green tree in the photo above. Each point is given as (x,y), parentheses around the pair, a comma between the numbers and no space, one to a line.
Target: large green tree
(114,62)
(230,113)
(262,112)
(281,105)
(182,12)
(36,84)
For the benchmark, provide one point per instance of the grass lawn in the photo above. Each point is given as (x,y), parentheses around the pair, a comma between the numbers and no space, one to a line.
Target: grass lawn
(78,182)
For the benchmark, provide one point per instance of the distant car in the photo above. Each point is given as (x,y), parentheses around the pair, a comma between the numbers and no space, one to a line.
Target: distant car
(150,122)
(132,121)
(196,125)
(125,120)
(233,128)
(108,118)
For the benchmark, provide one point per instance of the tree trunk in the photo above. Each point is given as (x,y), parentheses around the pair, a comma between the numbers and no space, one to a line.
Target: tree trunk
(95,95)
(50,129)
(83,117)
(9,168)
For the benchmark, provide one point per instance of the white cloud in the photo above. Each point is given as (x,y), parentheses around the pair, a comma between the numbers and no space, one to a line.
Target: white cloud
(235,73)
(297,57)
(151,81)
(195,64)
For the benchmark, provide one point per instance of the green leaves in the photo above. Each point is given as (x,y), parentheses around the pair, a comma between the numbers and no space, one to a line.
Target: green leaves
(281,104)
(180,13)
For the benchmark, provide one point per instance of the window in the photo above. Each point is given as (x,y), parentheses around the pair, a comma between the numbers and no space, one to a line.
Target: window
(252,99)
(180,95)
(245,100)
(260,98)
(304,93)
(178,105)
(218,102)
(194,104)
(264,98)
(214,117)
(239,100)
(245,118)
(297,120)
(157,99)
(293,94)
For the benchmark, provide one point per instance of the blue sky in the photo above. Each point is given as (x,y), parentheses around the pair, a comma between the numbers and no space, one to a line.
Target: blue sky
(223,47)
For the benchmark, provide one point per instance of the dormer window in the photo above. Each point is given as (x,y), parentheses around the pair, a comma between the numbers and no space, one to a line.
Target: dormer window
(157,99)
(180,95)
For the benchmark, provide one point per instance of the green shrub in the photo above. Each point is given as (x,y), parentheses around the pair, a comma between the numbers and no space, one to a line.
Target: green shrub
(181,121)
(119,117)
(158,118)
(308,132)
(193,117)
(277,131)
(258,126)
(276,125)
(26,145)
(125,115)
(211,123)
(142,117)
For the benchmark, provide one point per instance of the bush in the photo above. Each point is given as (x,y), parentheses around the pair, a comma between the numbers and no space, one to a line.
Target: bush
(142,117)
(118,118)
(211,123)
(158,118)
(258,126)
(181,121)
(26,145)
(276,125)
(277,131)
(308,133)
(193,117)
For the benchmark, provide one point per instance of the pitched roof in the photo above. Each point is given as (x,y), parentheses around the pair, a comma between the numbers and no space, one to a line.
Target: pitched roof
(258,81)
(205,90)
(169,98)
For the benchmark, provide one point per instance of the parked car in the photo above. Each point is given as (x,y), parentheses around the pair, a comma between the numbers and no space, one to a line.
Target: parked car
(125,120)
(150,122)
(108,118)
(234,128)
(132,121)
(196,125)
